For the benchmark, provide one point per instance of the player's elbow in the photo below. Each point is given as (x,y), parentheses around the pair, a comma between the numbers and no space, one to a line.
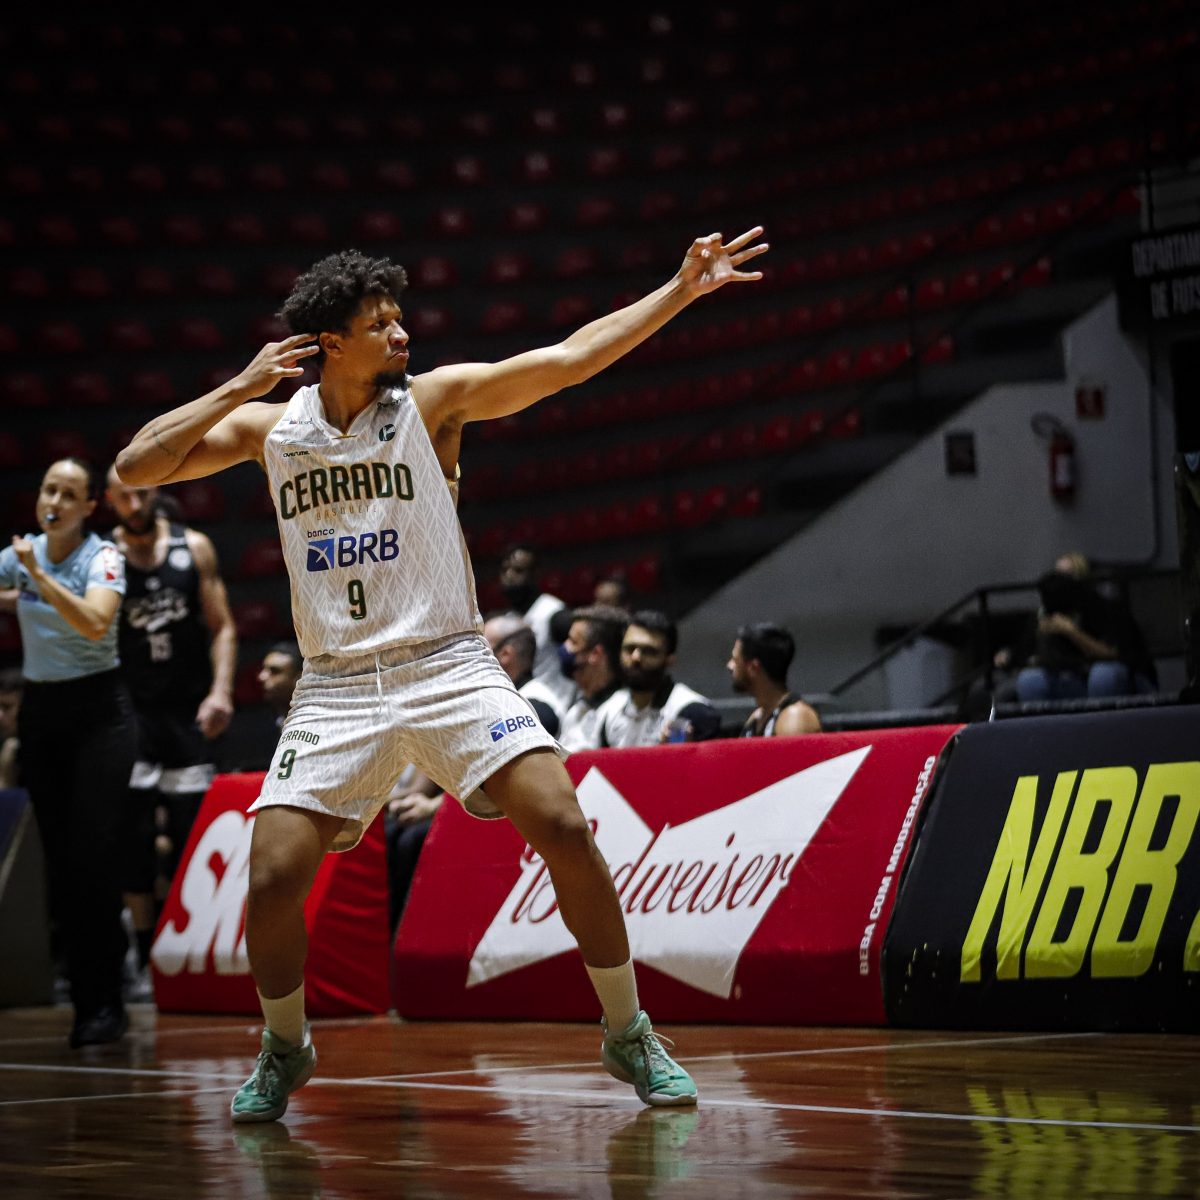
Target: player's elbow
(134,468)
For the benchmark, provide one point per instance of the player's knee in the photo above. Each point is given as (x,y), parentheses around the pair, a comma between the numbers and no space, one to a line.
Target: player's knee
(564,833)
(274,882)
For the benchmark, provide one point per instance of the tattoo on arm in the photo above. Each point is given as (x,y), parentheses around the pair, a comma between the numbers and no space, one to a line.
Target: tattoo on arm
(162,445)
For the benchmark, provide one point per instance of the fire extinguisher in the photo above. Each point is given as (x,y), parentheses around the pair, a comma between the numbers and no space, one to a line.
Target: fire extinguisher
(1062,466)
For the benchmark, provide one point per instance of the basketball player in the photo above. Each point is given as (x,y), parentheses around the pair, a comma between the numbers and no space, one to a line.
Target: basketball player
(178,648)
(362,469)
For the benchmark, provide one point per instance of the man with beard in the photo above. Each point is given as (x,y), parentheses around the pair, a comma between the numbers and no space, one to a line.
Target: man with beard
(518,581)
(759,665)
(178,648)
(652,708)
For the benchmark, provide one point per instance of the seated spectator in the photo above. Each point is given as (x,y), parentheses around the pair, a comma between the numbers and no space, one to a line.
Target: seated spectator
(1084,644)
(591,658)
(518,581)
(612,591)
(251,741)
(513,644)
(652,708)
(409,814)
(759,665)
(11,685)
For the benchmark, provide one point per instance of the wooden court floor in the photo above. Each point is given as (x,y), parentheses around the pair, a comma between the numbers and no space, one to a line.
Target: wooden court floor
(498,1110)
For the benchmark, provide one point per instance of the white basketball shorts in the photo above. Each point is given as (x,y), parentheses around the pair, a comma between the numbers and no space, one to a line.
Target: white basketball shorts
(356,723)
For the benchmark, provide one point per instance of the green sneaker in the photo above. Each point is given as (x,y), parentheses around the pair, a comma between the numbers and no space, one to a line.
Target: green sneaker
(636,1055)
(281,1069)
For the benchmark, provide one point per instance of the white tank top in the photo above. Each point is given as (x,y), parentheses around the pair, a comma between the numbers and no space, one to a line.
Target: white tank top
(370,535)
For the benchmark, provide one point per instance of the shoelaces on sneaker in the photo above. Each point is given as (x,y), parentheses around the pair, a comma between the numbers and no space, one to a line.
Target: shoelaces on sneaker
(266,1068)
(656,1056)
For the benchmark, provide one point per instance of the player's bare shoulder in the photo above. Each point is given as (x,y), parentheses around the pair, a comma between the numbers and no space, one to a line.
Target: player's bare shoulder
(253,423)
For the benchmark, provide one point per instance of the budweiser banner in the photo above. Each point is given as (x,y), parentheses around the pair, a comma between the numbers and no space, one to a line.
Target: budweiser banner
(756,878)
(199,954)
(1056,882)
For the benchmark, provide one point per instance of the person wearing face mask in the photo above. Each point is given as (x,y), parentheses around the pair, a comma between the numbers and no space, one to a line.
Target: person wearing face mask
(591,659)
(518,581)
(77,735)
(652,707)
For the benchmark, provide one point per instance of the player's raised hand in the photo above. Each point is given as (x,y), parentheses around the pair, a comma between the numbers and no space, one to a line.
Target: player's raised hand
(711,262)
(276,361)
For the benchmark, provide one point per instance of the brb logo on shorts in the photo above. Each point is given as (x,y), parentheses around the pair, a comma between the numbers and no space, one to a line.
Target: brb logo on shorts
(510,725)
(349,550)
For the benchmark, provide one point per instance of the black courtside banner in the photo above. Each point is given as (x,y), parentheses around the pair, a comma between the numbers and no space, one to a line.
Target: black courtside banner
(1055,882)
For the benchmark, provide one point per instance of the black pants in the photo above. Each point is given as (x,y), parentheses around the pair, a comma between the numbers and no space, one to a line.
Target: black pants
(77,747)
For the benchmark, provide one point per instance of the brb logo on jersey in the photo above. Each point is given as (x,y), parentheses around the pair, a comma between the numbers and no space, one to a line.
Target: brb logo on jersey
(349,550)
(498,729)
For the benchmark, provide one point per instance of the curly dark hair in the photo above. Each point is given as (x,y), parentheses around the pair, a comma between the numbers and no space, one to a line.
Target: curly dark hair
(325,298)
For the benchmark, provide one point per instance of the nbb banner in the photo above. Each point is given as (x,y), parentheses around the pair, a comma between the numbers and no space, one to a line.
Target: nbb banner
(199,953)
(1056,880)
(756,878)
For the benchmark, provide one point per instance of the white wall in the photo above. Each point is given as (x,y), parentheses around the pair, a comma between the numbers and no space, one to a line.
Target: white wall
(912,540)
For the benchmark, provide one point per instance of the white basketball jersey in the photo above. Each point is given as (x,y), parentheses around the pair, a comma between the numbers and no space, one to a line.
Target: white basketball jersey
(370,535)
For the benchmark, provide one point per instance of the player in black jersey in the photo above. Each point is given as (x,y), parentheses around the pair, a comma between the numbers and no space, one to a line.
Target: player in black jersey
(178,648)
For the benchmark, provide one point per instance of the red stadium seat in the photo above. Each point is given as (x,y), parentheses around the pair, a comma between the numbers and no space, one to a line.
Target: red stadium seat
(644,573)
(396,176)
(509,267)
(747,503)
(713,503)
(573,310)
(576,262)
(308,227)
(58,230)
(453,221)
(24,390)
(61,337)
(149,279)
(537,168)
(201,500)
(129,335)
(246,228)
(263,558)
(435,271)
(28,283)
(184,229)
(429,321)
(331,177)
(216,279)
(197,333)
(256,619)
(64,443)
(527,216)
(503,316)
(87,387)
(89,283)
(152,388)
(380,225)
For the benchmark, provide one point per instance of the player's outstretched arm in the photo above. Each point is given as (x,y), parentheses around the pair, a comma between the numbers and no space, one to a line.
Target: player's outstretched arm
(479,391)
(217,430)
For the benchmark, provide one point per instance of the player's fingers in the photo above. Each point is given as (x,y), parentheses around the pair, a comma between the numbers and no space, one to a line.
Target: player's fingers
(749,235)
(742,255)
(746,276)
(297,338)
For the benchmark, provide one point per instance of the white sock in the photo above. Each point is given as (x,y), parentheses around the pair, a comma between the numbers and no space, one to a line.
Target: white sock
(285,1015)
(616,988)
